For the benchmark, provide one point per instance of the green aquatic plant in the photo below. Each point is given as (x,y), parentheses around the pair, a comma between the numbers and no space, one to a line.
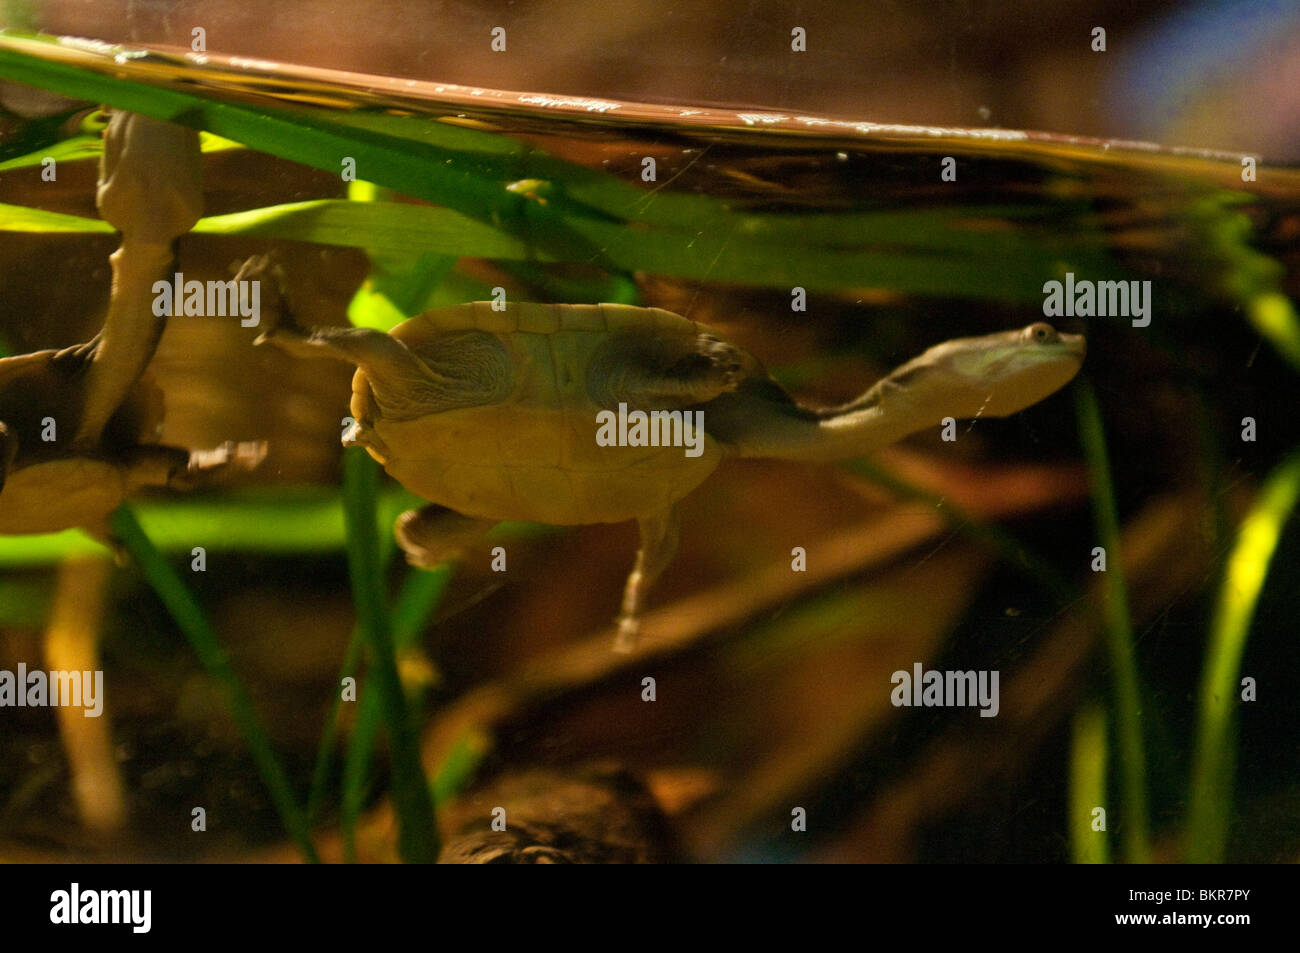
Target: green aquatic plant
(1211,790)
(1117,624)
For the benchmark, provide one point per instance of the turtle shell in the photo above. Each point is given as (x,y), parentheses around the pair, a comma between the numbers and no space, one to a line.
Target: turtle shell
(533,454)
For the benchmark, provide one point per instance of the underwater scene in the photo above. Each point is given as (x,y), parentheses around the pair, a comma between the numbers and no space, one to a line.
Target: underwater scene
(459,434)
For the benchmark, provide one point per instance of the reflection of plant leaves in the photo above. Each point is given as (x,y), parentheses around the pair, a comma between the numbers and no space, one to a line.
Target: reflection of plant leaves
(585,215)
(391,228)
(82,148)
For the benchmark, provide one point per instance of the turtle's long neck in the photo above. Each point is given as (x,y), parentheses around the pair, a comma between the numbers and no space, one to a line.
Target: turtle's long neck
(991,376)
(774,426)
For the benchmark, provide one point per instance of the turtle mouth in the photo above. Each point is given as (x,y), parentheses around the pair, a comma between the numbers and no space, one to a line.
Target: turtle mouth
(1074,345)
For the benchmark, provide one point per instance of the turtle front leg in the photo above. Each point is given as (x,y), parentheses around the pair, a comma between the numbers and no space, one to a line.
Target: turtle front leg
(660,534)
(434,535)
(672,374)
(394,372)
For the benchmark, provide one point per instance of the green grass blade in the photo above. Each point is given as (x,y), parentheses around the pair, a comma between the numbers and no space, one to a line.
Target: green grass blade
(378,227)
(1210,797)
(421,593)
(20,218)
(87,148)
(324,763)
(1118,627)
(193,623)
(290,521)
(412,801)
(1088,756)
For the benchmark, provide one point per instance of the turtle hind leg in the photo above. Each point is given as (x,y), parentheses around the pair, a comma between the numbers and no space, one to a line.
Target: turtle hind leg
(660,534)
(434,535)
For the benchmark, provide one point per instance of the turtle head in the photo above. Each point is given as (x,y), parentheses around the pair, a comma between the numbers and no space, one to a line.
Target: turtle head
(991,376)
(8,451)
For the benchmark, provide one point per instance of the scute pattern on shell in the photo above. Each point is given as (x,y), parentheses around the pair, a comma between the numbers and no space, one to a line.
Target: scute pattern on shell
(537,318)
(528,449)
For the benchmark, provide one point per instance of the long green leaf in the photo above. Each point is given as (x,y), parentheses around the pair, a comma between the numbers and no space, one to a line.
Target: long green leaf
(1118,627)
(1088,754)
(1210,797)
(306,520)
(412,801)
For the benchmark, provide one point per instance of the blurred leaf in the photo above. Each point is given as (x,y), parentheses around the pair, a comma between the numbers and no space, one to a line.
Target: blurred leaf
(305,520)
(88,147)
(1117,623)
(1089,753)
(1210,798)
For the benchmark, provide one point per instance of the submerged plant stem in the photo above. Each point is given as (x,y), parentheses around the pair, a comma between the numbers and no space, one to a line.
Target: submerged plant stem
(193,623)
(412,801)
(1118,627)
(418,599)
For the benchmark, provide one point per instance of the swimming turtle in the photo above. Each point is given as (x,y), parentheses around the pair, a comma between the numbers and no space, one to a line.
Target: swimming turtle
(79,426)
(496,414)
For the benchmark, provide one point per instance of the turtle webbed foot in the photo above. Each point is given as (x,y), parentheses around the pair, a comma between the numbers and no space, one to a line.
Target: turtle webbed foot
(101,532)
(435,535)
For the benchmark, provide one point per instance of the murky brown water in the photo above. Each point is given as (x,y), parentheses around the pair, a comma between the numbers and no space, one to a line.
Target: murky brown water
(773,687)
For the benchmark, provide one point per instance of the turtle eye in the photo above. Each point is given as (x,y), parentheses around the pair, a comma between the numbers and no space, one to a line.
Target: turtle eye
(1040,333)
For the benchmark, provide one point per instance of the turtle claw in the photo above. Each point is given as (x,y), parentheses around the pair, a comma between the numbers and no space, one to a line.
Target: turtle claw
(103,534)
(276,320)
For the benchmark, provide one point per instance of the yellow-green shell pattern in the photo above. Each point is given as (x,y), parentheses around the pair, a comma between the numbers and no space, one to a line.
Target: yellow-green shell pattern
(533,455)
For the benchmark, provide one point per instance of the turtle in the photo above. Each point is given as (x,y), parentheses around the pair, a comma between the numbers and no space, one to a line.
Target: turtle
(494,413)
(79,425)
